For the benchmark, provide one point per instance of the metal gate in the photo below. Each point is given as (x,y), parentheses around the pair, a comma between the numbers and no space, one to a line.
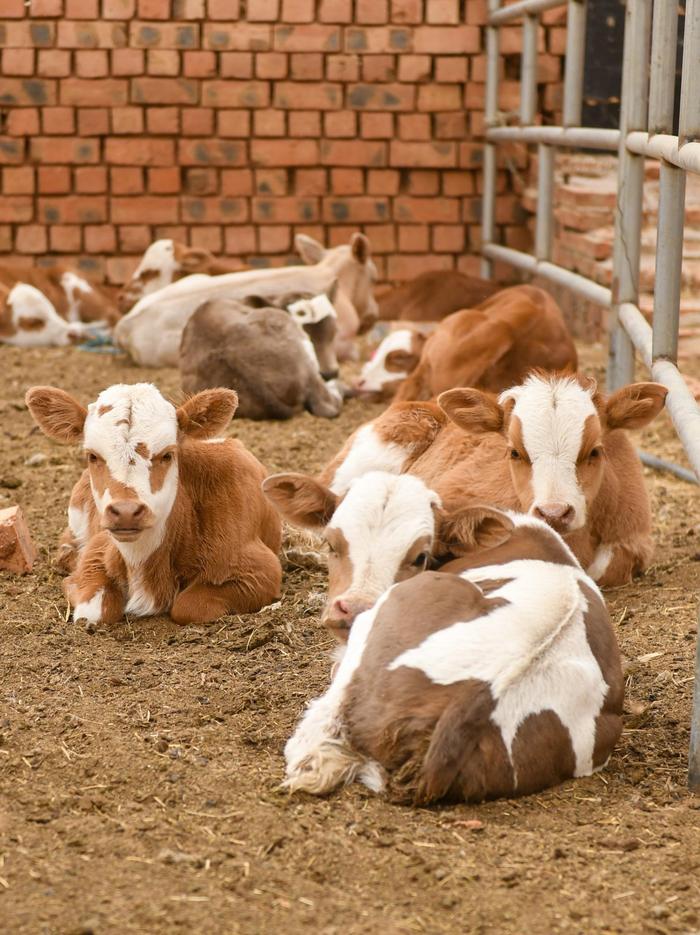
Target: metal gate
(646,131)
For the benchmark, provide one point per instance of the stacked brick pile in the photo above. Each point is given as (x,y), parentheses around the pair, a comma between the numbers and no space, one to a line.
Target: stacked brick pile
(234,124)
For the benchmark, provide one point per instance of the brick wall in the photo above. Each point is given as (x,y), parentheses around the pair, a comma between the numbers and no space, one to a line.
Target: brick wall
(234,124)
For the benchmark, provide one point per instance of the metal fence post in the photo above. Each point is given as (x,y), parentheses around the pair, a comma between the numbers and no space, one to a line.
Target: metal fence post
(488,202)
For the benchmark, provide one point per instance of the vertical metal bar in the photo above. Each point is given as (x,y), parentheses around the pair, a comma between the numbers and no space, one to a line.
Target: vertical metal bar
(528,72)
(630,185)
(694,752)
(573,71)
(689,122)
(545,202)
(488,199)
(662,77)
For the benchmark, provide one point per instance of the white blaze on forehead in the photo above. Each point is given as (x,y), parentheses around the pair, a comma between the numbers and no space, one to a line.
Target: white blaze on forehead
(159,258)
(381,517)
(553,413)
(73,285)
(374,373)
(368,453)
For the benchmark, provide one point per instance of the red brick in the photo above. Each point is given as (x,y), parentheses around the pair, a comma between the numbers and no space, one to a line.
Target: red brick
(414,127)
(18,180)
(17,61)
(16,208)
(6,238)
(13,9)
(188,9)
(306,66)
(164,91)
(65,238)
(382,237)
(335,11)
(133,210)
(96,92)
(214,210)
(91,63)
(452,126)
(556,41)
(162,62)
(342,67)
(415,67)
(355,153)
(282,153)
(213,152)
(86,209)
(118,9)
(448,238)
(240,240)
(347,181)
(378,39)
(163,36)
(93,121)
(451,69)
(298,11)
(378,68)
(310,182)
(396,97)
(154,9)
(16,547)
(127,120)
(284,210)
(199,64)
(82,9)
(91,35)
(341,123)
(427,210)
(443,40)
(100,238)
(223,9)
(477,12)
(246,37)
(269,123)
(308,38)
(53,63)
(270,65)
(383,182)
(31,238)
(149,152)
(414,238)
(423,155)
(28,92)
(372,11)
(126,181)
(236,182)
(377,126)
(162,120)
(208,238)
(59,150)
(441,97)
(201,181)
(233,123)
(355,210)
(272,182)
(263,11)
(40,8)
(127,62)
(236,93)
(58,120)
(457,183)
(315,96)
(423,182)
(442,11)
(408,11)
(54,180)
(236,64)
(134,238)
(197,121)
(21,121)
(304,123)
(28,35)
(275,238)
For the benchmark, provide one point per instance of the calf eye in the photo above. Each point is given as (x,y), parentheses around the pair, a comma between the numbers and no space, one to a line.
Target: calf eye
(92,457)
(595,453)
(514,454)
(168,456)
(421,561)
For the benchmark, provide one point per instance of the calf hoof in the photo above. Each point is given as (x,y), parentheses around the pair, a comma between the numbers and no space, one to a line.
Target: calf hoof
(65,559)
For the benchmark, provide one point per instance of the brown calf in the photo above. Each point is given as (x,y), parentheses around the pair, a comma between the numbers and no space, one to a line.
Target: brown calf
(433,295)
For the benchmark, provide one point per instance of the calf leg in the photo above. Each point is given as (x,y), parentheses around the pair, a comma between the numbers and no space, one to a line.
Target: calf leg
(92,594)
(257,582)
(324,399)
(66,557)
(616,563)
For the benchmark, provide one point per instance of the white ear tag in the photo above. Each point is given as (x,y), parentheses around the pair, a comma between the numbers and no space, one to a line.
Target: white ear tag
(311,311)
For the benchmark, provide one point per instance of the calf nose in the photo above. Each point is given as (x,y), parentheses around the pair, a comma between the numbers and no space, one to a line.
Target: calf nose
(126,514)
(557,515)
(342,613)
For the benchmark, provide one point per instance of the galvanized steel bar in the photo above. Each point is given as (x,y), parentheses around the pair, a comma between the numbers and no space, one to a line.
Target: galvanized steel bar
(573,71)
(630,182)
(694,752)
(689,119)
(587,137)
(528,71)
(662,78)
(545,202)
(664,146)
(488,198)
(658,464)
(669,262)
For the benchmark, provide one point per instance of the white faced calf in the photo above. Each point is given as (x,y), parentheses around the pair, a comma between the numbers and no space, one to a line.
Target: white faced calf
(166,516)
(28,319)
(396,357)
(500,679)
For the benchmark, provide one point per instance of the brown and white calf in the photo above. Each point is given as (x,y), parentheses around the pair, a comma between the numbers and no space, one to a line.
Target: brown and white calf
(433,295)
(28,319)
(152,329)
(167,517)
(500,679)
(264,354)
(73,298)
(492,347)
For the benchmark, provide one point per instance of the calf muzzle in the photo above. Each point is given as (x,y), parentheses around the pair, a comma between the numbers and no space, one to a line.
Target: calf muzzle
(558,515)
(341,613)
(126,519)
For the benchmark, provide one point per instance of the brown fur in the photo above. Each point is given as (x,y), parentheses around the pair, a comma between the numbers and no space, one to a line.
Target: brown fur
(433,295)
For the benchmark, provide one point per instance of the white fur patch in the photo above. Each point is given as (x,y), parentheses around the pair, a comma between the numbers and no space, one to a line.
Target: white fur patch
(73,285)
(79,524)
(159,258)
(600,562)
(368,453)
(28,302)
(90,610)
(374,375)
(553,414)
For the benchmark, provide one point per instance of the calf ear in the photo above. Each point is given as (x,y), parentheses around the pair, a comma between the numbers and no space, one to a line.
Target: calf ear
(302,500)
(310,250)
(56,413)
(208,413)
(401,361)
(360,248)
(472,410)
(473,527)
(634,406)
(195,258)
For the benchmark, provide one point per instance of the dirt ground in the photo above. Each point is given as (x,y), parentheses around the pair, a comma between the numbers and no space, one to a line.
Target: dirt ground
(140,765)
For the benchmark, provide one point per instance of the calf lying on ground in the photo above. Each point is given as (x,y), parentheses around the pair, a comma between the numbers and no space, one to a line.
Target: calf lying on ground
(28,319)
(262,353)
(492,347)
(152,330)
(500,679)
(433,295)
(167,517)
(73,298)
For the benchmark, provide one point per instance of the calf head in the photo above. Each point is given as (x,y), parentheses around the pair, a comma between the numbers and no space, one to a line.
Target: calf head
(28,319)
(353,267)
(164,262)
(131,437)
(555,428)
(379,532)
(396,357)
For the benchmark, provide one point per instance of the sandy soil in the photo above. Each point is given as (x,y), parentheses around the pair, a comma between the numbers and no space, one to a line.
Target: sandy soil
(139,766)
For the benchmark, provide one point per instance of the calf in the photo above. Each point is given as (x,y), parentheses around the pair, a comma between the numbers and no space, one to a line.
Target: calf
(500,679)
(433,295)
(167,516)
(261,352)
(28,319)
(73,298)
(152,330)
